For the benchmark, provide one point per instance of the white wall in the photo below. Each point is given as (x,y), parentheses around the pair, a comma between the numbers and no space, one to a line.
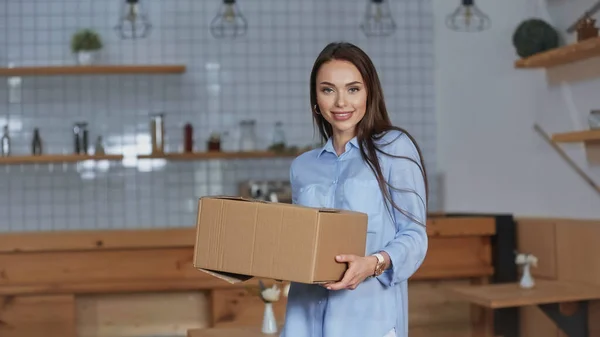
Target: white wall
(491,158)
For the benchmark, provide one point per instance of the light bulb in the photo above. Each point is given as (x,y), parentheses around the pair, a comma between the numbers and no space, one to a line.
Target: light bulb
(229,21)
(133,21)
(468,18)
(378,19)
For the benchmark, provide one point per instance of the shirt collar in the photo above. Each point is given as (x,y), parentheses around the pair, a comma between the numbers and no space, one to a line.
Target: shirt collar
(328,147)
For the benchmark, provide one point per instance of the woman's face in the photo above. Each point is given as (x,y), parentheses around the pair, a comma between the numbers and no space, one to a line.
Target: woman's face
(341,96)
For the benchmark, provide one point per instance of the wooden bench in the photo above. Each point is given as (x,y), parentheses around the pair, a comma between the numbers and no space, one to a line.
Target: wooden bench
(564,302)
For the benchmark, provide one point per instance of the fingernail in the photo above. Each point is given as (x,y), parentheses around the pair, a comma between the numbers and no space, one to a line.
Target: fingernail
(328,288)
(337,257)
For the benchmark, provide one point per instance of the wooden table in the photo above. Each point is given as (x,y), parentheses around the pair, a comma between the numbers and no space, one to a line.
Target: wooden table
(547,295)
(230,332)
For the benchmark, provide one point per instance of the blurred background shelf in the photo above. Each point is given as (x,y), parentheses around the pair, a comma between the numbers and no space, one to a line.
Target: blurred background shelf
(56,158)
(577,136)
(562,55)
(219,155)
(92,70)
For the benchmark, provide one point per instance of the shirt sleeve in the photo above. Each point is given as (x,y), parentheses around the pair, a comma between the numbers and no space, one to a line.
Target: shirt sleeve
(408,248)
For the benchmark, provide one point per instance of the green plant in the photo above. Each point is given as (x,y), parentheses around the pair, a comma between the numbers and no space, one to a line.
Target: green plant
(85,40)
(534,36)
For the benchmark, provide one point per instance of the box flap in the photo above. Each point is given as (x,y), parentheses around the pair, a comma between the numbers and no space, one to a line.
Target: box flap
(237,198)
(231,278)
(329,210)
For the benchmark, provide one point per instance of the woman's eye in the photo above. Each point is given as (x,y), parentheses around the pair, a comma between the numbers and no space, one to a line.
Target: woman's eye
(327,90)
(354,89)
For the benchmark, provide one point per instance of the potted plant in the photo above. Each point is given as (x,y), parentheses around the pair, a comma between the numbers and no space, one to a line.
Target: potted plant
(85,43)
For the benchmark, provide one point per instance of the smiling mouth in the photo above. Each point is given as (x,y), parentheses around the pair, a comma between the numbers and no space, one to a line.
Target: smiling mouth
(341,115)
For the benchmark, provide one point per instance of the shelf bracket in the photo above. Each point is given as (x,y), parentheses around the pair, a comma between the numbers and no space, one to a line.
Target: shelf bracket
(574,325)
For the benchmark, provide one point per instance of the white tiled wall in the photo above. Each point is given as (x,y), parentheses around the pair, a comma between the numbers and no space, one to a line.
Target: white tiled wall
(263,76)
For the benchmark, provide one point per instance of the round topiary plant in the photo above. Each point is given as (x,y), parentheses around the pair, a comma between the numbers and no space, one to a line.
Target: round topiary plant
(85,40)
(534,36)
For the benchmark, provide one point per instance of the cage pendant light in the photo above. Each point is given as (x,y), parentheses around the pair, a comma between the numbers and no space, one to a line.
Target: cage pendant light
(133,21)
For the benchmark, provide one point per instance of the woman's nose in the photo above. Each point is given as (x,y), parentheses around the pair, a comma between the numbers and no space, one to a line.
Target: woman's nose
(340,101)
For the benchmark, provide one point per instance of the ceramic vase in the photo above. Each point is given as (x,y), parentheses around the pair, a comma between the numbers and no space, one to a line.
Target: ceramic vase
(527,281)
(269,325)
(85,58)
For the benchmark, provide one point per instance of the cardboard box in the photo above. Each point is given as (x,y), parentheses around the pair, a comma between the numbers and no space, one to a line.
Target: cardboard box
(238,238)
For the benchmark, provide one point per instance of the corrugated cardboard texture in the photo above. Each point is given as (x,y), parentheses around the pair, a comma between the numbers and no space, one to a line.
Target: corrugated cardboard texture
(239,238)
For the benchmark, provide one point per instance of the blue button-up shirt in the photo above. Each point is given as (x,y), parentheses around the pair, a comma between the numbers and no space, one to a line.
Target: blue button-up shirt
(321,178)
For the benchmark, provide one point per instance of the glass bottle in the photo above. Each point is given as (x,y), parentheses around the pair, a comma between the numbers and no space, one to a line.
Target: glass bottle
(5,142)
(80,133)
(188,138)
(36,143)
(157,132)
(247,135)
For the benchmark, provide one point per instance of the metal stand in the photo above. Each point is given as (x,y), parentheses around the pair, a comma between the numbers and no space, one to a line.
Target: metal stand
(575,325)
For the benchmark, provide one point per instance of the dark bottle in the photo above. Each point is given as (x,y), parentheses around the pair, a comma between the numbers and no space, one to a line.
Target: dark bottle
(36,143)
(80,133)
(188,138)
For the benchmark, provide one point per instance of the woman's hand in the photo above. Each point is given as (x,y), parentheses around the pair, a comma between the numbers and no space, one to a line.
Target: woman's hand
(359,268)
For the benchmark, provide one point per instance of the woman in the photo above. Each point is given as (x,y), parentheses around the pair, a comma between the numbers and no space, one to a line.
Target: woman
(366,165)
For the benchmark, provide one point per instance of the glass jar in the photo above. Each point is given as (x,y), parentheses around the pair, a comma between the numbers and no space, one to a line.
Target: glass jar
(247,135)
(278,135)
(157,132)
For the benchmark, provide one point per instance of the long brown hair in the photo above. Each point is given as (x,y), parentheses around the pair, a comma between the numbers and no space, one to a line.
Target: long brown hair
(374,124)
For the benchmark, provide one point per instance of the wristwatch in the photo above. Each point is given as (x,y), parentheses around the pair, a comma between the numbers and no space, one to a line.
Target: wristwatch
(380,267)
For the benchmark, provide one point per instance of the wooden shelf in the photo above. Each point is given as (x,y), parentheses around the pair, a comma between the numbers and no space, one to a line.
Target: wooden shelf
(56,158)
(577,136)
(509,295)
(562,55)
(218,155)
(92,70)
(590,140)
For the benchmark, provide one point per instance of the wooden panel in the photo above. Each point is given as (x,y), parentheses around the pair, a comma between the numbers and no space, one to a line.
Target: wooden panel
(185,236)
(92,70)
(34,316)
(456,257)
(507,295)
(538,237)
(58,268)
(461,226)
(430,305)
(448,330)
(228,332)
(142,314)
(578,251)
(238,307)
(97,240)
(534,323)
(444,330)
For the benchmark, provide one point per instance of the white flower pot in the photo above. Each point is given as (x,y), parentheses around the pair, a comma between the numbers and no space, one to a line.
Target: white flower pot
(269,325)
(85,57)
(527,281)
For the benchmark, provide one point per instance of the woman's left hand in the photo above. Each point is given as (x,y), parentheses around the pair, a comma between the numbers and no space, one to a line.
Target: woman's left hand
(359,268)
